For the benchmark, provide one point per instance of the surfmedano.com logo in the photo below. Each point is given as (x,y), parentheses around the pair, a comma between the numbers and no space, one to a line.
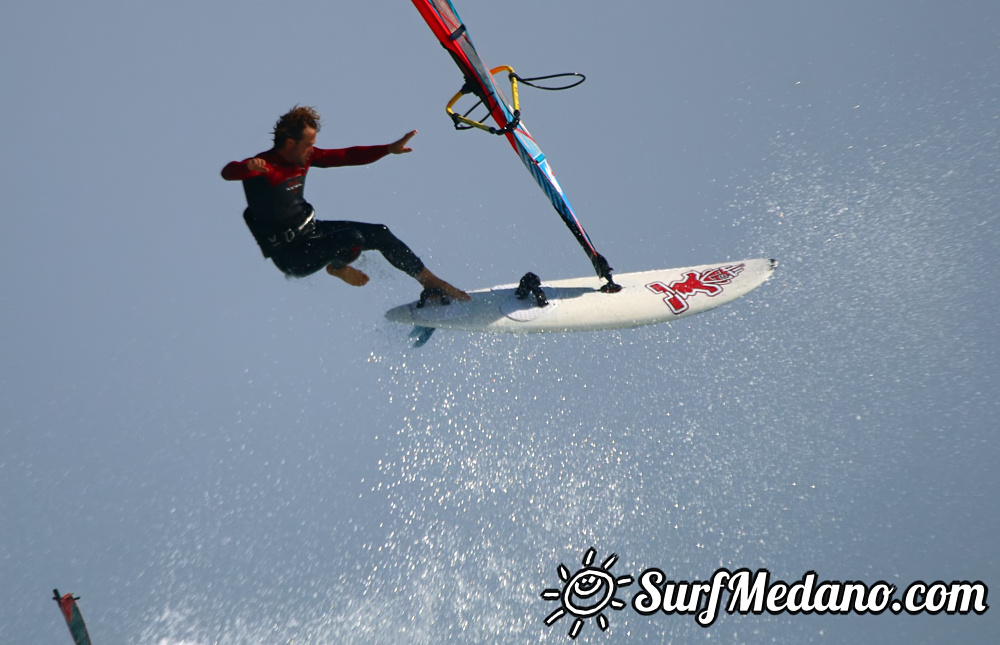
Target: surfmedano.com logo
(587,593)
(592,589)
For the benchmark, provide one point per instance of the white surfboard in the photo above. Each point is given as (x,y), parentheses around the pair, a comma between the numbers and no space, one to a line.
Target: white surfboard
(578,304)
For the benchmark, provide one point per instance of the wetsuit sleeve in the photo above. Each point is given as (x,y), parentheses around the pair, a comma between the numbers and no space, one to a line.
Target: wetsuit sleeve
(356,156)
(238,171)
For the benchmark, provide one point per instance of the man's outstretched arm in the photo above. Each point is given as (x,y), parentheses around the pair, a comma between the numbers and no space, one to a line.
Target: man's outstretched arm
(360,155)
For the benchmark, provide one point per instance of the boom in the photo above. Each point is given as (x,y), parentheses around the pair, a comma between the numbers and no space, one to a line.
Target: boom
(444,21)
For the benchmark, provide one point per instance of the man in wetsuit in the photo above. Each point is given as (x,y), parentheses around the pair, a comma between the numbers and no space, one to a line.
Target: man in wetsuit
(284,225)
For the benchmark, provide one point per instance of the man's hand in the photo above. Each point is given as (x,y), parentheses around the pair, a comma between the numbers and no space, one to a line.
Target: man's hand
(257,165)
(399,147)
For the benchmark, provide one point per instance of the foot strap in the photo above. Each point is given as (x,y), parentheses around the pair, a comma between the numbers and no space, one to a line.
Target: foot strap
(432,292)
(531,285)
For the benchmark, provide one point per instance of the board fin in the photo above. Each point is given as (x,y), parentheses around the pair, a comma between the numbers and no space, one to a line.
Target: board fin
(420,335)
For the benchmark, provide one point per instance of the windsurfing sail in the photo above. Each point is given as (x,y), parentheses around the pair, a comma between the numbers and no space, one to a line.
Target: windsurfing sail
(451,32)
(74,619)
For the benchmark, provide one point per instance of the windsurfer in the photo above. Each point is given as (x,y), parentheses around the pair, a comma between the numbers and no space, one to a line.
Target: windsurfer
(284,225)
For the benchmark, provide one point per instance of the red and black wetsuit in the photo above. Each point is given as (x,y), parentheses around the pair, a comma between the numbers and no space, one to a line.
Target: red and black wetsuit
(282,222)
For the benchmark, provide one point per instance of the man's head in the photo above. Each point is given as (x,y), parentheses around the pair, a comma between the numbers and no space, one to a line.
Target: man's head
(295,134)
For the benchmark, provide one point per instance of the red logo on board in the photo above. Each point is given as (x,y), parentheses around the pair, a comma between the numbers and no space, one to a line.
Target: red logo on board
(677,293)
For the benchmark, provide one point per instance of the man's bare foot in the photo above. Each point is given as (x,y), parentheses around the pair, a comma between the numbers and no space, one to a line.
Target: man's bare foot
(350,275)
(431,281)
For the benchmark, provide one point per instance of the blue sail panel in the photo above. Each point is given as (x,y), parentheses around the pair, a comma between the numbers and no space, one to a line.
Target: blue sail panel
(453,35)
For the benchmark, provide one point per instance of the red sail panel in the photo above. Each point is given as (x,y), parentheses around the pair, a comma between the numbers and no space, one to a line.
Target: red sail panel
(74,619)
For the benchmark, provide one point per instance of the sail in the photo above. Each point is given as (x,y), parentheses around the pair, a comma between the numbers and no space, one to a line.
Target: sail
(443,19)
(74,619)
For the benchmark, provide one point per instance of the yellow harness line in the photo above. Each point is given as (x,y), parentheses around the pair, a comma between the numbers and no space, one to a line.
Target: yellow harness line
(476,124)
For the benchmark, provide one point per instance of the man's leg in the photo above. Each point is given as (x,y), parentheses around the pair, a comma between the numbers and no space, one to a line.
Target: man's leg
(376,237)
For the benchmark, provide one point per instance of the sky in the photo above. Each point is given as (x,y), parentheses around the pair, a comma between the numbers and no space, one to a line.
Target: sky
(207,452)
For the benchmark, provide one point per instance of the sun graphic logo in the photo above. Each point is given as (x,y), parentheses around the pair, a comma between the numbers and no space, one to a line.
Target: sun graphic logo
(587,593)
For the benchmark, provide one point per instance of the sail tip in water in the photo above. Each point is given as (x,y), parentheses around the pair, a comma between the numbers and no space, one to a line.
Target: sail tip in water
(74,619)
